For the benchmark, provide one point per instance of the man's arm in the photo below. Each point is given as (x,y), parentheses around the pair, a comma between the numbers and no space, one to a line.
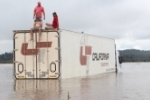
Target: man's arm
(34,13)
(44,13)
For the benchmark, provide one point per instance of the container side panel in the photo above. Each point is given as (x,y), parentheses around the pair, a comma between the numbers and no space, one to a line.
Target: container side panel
(84,55)
(70,55)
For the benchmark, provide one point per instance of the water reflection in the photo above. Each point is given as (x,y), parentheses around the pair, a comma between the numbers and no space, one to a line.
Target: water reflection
(84,88)
(37,89)
(132,83)
(45,85)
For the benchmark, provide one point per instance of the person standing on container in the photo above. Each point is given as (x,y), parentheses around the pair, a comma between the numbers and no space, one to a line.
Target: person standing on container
(37,15)
(38,12)
(55,23)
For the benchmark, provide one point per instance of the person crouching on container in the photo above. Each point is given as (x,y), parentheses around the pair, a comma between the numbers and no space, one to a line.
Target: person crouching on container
(55,23)
(37,27)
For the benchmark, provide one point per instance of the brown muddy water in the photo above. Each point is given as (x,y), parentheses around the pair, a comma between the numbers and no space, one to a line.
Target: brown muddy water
(131,83)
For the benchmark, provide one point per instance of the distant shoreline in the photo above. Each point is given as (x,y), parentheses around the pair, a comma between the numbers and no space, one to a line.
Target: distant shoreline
(6,63)
(137,62)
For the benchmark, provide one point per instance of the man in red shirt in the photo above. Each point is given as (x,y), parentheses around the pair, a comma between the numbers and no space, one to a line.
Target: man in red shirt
(38,12)
(55,23)
(37,27)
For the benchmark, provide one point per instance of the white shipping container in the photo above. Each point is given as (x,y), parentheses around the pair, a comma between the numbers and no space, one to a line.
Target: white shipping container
(63,54)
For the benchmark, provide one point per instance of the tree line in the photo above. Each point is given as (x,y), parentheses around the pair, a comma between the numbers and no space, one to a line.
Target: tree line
(6,57)
(129,55)
(134,55)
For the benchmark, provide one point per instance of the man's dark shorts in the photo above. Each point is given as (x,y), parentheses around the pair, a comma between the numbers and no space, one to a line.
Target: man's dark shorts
(38,20)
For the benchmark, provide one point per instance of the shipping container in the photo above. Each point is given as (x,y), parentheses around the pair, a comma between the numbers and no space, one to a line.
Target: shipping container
(62,54)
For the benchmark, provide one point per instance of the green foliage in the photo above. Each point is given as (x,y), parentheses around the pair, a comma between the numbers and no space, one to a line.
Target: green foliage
(7,57)
(129,55)
(133,55)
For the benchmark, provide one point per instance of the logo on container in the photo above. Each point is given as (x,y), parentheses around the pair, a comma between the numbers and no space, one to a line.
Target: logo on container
(85,50)
(83,57)
(26,52)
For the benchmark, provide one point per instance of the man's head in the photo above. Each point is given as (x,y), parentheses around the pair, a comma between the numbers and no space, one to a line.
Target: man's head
(39,4)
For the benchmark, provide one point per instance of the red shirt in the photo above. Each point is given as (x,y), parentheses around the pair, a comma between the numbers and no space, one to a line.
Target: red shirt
(55,22)
(38,11)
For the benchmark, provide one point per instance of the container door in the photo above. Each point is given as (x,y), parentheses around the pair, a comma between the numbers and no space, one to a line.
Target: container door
(42,58)
(48,56)
(24,56)
(36,59)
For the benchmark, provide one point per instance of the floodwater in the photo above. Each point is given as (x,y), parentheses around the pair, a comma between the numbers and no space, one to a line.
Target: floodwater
(131,83)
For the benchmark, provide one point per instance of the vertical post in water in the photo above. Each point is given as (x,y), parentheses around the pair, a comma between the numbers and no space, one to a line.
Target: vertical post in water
(116,59)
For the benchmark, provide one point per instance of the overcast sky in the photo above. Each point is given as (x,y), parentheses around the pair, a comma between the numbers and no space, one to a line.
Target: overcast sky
(126,21)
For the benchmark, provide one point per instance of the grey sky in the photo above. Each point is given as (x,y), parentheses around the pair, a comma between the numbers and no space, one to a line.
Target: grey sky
(127,21)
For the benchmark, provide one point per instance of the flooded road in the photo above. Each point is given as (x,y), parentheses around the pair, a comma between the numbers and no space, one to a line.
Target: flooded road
(131,83)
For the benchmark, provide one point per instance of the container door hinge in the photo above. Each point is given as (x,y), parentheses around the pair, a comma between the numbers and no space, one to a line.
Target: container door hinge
(16,61)
(15,49)
(57,48)
(15,37)
(57,61)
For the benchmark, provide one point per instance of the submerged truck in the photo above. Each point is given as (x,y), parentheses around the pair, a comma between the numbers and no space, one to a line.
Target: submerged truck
(62,54)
